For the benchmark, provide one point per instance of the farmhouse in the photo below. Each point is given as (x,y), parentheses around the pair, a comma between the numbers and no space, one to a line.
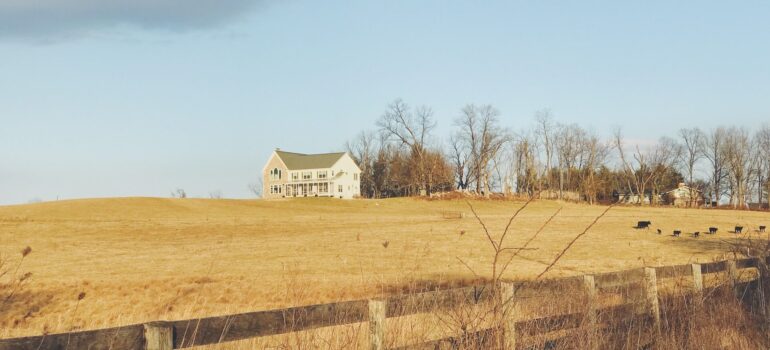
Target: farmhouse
(289,174)
(683,196)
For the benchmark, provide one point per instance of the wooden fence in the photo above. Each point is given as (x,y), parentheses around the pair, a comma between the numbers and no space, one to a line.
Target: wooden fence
(164,335)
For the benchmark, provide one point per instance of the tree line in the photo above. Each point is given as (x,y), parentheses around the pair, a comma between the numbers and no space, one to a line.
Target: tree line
(402,156)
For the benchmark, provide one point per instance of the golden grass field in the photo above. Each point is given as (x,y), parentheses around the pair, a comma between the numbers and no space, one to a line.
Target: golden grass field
(142,259)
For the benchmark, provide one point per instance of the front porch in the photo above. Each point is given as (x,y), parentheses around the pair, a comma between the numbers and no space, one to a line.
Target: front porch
(308,189)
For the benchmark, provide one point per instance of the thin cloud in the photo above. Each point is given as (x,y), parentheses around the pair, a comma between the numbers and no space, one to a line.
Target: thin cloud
(47,20)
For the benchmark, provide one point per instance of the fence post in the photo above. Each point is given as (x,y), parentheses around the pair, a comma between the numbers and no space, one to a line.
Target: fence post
(651,292)
(377,315)
(590,285)
(508,306)
(732,275)
(697,284)
(764,272)
(158,336)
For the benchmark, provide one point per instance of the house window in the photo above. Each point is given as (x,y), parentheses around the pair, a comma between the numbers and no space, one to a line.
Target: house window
(322,174)
(355,176)
(339,188)
(323,187)
(294,176)
(307,175)
(275,174)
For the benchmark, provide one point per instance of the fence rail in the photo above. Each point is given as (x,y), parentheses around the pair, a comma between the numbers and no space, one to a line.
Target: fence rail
(163,335)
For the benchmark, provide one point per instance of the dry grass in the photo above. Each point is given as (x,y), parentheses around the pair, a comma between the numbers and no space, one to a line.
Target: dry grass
(140,259)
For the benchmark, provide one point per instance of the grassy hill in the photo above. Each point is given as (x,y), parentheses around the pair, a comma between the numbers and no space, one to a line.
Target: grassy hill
(140,259)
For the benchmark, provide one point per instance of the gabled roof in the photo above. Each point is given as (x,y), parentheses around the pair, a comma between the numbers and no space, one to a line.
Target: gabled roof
(299,161)
(686,189)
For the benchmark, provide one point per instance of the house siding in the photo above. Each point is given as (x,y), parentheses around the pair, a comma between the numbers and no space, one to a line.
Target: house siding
(274,163)
(350,180)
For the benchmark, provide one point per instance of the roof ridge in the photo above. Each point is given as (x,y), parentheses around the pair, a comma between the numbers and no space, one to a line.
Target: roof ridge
(311,154)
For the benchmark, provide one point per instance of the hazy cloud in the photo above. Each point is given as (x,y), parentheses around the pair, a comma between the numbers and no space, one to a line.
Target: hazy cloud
(57,19)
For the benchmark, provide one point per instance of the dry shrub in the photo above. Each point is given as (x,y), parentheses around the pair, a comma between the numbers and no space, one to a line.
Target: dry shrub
(464,195)
(12,294)
(724,319)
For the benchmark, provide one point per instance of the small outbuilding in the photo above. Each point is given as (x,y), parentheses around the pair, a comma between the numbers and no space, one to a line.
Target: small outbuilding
(683,196)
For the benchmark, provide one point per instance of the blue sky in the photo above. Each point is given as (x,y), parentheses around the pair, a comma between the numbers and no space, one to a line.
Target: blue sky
(140,97)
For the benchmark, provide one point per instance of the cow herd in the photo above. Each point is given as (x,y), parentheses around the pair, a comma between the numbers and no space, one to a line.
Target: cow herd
(677,233)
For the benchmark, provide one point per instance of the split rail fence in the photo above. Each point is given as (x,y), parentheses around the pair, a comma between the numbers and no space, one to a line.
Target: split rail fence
(166,335)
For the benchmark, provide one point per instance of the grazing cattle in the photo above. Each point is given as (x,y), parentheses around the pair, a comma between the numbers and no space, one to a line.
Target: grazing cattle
(713,230)
(738,229)
(643,224)
(696,234)
(762,229)
(677,233)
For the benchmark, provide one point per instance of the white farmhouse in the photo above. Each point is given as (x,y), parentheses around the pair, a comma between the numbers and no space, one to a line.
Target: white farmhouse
(288,174)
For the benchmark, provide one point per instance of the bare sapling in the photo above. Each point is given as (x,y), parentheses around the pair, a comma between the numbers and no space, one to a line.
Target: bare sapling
(501,315)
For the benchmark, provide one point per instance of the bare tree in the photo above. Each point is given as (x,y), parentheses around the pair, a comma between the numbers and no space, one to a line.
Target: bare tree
(411,129)
(568,145)
(544,130)
(178,193)
(713,151)
(645,168)
(381,169)
(362,150)
(737,154)
(460,156)
(525,164)
(762,145)
(480,132)
(593,155)
(694,145)
(216,194)
(663,158)
(631,173)
(505,166)
(256,188)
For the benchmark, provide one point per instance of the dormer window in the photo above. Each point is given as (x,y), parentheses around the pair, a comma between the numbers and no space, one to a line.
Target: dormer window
(322,174)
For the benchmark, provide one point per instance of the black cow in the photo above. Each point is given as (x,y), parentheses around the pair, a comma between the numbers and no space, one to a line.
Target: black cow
(677,233)
(696,234)
(643,224)
(762,229)
(713,230)
(738,229)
